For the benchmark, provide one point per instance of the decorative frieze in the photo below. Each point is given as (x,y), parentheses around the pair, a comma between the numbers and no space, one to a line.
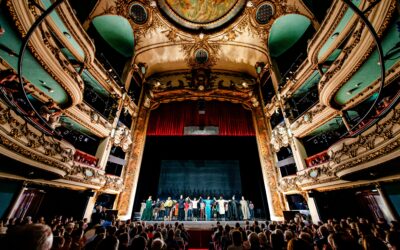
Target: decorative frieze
(350,154)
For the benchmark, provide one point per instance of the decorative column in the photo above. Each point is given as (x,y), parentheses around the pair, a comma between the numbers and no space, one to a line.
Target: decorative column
(132,168)
(312,206)
(90,205)
(103,151)
(387,209)
(275,204)
(299,153)
(343,114)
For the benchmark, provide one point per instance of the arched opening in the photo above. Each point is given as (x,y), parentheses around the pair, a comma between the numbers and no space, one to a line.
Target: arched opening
(201,148)
(114,41)
(288,40)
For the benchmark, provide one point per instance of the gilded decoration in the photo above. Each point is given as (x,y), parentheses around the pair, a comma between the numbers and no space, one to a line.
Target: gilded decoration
(36,50)
(347,52)
(268,167)
(123,137)
(205,84)
(279,137)
(132,168)
(207,14)
(18,136)
(307,118)
(378,141)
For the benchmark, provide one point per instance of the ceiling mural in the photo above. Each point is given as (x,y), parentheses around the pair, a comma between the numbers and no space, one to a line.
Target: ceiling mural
(205,14)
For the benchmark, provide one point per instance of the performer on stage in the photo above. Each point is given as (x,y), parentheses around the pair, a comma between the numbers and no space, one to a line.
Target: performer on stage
(148,211)
(156,209)
(195,207)
(142,208)
(251,209)
(245,209)
(233,211)
(187,201)
(202,207)
(168,205)
(181,207)
(208,202)
(221,207)
(161,214)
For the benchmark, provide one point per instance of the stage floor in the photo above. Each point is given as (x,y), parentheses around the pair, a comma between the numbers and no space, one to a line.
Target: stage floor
(203,225)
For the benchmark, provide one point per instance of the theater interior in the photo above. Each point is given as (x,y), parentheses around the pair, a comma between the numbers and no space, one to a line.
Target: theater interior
(292,104)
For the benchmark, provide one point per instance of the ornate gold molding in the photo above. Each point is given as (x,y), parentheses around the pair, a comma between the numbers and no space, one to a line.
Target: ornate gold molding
(132,168)
(268,167)
(350,155)
(355,53)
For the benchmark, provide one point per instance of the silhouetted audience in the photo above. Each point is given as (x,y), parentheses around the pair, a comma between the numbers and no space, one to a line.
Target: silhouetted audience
(69,234)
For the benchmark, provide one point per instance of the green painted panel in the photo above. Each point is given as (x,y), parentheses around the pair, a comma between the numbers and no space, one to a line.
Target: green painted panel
(370,70)
(117,32)
(73,125)
(331,125)
(8,189)
(61,26)
(339,28)
(334,55)
(89,79)
(285,32)
(308,84)
(32,70)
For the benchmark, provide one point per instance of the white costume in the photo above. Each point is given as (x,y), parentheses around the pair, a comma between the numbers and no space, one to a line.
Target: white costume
(221,206)
(245,209)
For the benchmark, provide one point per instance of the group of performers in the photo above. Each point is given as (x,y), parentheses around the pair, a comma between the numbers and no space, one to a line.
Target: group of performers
(197,209)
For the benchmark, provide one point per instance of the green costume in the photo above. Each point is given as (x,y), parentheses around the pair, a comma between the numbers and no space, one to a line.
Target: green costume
(148,211)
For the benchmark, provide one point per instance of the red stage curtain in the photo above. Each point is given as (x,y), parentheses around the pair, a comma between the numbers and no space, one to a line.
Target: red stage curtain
(171,118)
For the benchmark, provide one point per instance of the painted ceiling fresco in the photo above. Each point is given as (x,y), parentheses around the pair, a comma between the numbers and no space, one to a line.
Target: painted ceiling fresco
(207,14)
(201,11)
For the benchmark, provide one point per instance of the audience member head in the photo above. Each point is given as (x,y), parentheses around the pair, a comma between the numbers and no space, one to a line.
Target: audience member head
(288,235)
(277,240)
(298,244)
(372,243)
(138,243)
(58,242)
(236,238)
(108,243)
(253,240)
(262,238)
(31,236)
(393,238)
(158,244)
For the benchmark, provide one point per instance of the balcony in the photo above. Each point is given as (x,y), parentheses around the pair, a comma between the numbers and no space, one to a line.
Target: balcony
(317,159)
(370,150)
(81,157)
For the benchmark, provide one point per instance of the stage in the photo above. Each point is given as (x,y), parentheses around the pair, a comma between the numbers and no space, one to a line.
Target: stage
(203,225)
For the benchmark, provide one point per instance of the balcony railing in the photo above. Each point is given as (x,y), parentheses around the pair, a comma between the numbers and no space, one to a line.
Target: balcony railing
(86,159)
(317,159)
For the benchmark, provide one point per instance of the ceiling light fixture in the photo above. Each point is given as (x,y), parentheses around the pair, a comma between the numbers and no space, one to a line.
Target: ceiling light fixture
(67,35)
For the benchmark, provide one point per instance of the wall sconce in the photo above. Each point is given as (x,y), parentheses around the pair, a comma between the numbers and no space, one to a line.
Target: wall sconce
(259,67)
(143,67)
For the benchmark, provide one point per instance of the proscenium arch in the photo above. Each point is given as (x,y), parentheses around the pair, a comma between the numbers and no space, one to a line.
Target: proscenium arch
(117,32)
(126,199)
(285,32)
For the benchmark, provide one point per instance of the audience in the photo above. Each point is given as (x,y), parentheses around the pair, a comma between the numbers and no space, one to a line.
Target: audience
(69,234)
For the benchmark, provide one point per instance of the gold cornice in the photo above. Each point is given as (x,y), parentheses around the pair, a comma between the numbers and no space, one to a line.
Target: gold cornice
(23,21)
(378,144)
(335,14)
(100,128)
(355,54)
